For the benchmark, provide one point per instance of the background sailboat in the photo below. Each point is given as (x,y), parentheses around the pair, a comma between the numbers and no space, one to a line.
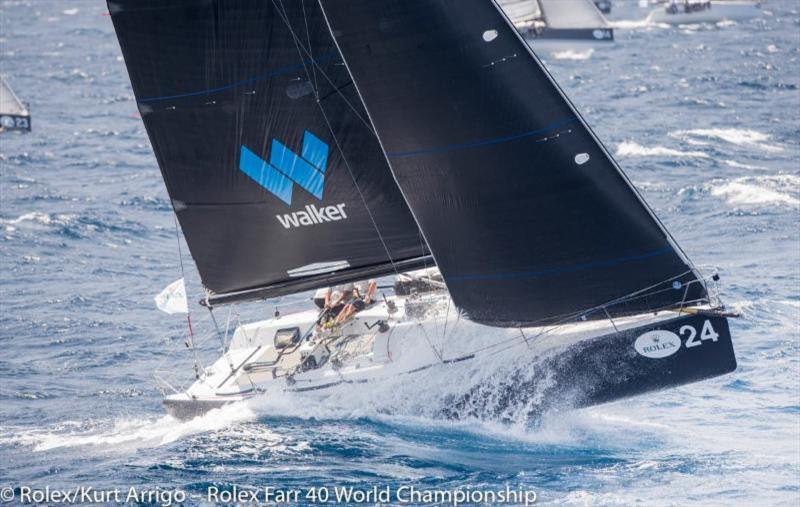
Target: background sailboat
(556,25)
(13,113)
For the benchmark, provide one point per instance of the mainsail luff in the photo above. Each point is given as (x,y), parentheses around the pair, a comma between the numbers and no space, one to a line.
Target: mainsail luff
(249,160)
(488,153)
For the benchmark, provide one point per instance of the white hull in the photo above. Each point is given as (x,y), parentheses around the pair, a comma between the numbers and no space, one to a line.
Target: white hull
(470,352)
(719,11)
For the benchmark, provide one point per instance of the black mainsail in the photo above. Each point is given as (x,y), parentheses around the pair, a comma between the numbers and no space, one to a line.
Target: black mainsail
(261,175)
(528,217)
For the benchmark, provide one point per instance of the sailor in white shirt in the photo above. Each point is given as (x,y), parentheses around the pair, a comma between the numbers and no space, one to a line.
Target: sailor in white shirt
(363,292)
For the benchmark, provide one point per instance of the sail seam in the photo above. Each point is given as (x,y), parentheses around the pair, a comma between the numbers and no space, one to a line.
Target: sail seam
(263,77)
(567,269)
(486,142)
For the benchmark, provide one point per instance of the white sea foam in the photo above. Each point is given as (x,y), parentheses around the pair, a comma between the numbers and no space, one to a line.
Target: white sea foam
(739,165)
(570,54)
(123,434)
(632,149)
(632,24)
(40,218)
(35,216)
(740,137)
(780,190)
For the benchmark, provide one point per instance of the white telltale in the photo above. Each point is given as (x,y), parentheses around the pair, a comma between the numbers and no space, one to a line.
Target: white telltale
(581,158)
(489,35)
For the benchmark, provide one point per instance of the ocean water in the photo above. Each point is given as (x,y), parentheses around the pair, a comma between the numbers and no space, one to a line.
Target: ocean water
(706,121)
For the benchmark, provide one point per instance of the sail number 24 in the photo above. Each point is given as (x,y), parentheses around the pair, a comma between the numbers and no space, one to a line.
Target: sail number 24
(690,332)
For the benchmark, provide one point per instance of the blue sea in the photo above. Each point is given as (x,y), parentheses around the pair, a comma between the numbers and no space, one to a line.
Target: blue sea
(705,119)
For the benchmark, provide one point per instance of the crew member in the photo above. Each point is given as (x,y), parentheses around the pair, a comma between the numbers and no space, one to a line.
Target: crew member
(363,293)
(337,297)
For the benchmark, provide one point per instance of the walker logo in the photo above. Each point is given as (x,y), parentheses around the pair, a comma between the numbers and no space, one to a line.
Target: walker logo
(312,215)
(285,167)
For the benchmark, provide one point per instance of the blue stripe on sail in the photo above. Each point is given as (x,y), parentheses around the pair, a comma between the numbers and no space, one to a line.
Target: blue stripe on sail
(485,142)
(556,271)
(315,151)
(262,77)
(297,169)
(265,175)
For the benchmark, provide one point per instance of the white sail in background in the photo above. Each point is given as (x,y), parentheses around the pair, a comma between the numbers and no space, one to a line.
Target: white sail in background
(173,298)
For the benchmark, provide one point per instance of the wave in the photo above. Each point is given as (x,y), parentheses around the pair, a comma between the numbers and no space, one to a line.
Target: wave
(73,225)
(632,24)
(739,165)
(740,137)
(760,190)
(122,435)
(40,218)
(570,54)
(632,149)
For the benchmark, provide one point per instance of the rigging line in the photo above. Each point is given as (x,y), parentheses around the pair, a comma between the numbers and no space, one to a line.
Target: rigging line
(683,301)
(197,364)
(308,38)
(314,62)
(547,330)
(610,319)
(446,319)
(430,343)
(427,276)
(522,333)
(339,147)
(552,327)
(622,299)
(219,335)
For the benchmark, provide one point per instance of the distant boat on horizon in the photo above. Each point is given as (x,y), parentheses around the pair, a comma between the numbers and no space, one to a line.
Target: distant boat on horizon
(13,113)
(684,12)
(556,25)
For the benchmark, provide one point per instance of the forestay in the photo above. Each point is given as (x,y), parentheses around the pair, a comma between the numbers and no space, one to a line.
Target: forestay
(260,174)
(528,217)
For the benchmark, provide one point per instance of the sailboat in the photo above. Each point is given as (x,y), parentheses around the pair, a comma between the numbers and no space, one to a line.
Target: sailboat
(678,12)
(555,25)
(13,113)
(311,143)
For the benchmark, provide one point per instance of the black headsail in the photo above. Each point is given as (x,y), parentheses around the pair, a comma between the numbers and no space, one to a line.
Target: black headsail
(528,217)
(261,176)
